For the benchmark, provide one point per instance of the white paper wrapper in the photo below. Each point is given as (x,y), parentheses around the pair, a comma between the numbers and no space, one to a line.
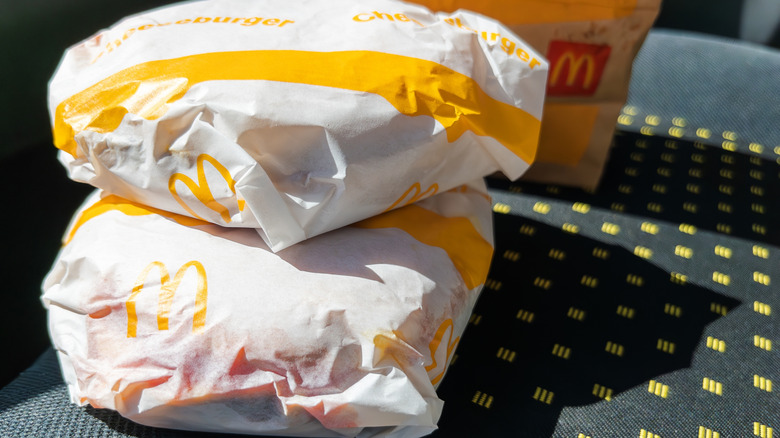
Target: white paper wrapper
(178,323)
(295,117)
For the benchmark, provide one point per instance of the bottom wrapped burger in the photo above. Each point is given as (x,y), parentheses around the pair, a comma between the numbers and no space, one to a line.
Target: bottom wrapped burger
(178,323)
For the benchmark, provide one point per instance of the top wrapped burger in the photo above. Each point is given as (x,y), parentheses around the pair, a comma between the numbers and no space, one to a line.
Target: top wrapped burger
(295,117)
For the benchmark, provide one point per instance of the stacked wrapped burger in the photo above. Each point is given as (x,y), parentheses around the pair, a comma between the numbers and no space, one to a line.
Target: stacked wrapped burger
(290,228)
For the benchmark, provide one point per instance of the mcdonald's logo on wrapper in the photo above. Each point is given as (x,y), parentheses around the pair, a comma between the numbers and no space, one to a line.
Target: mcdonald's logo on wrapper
(575,68)
(416,193)
(201,189)
(168,289)
(438,349)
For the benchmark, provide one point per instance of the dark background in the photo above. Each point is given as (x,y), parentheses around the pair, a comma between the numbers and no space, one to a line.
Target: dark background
(33,36)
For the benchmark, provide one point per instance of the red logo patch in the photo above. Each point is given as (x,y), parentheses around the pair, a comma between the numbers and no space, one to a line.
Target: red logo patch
(575,68)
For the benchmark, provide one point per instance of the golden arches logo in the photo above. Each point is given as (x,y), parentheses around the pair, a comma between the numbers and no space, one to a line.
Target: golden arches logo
(165,297)
(201,189)
(416,193)
(575,64)
(446,327)
(581,64)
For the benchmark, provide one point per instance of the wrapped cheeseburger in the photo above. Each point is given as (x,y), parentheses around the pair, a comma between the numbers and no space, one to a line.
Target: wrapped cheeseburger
(345,334)
(295,117)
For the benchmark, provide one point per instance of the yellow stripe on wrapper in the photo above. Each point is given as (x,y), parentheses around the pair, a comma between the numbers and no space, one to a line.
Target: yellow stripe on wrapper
(539,11)
(468,250)
(415,87)
(130,208)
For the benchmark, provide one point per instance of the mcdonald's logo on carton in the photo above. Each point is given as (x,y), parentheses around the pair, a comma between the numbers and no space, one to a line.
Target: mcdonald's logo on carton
(168,289)
(575,68)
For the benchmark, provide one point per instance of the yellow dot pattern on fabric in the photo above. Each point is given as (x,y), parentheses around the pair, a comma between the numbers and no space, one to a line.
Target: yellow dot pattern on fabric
(645,434)
(582,435)
(570,228)
(589,281)
(617,206)
(723,228)
(610,228)
(671,309)
(689,212)
(602,392)
(693,188)
(511,255)
(528,230)
(676,132)
(557,254)
(643,252)
(707,433)
(635,280)
(666,346)
(762,343)
(542,283)
(683,251)
(762,308)
(712,386)
(501,208)
(580,207)
(718,308)
(542,207)
(721,278)
(716,344)
(506,354)
(543,395)
(659,389)
(614,348)
(525,316)
(475,319)
(626,312)
(762,383)
(493,284)
(724,252)
(561,351)
(576,314)
(649,228)
(761,278)
(482,399)
(762,430)
(678,278)
(756,148)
